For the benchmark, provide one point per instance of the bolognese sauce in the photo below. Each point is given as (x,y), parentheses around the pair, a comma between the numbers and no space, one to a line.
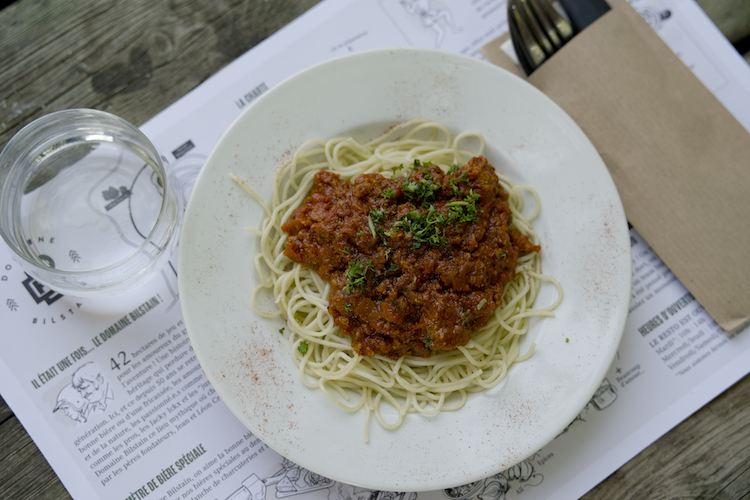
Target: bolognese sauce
(416,263)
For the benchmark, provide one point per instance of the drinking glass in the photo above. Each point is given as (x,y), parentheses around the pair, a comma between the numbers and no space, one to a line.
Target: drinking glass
(86,203)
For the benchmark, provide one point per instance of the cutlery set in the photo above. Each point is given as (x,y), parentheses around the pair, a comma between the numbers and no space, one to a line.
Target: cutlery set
(538,29)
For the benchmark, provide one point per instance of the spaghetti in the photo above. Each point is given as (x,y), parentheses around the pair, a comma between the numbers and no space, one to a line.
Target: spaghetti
(325,358)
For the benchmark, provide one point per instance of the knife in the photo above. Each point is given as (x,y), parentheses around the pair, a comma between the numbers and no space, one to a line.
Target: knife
(583,12)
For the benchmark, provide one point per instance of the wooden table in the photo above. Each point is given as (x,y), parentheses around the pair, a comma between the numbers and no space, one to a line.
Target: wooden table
(134,58)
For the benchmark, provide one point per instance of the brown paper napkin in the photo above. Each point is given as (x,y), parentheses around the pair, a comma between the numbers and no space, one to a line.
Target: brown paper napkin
(680,160)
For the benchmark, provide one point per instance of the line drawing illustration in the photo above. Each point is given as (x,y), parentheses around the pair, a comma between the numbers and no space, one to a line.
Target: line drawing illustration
(291,480)
(432,18)
(88,392)
(436,20)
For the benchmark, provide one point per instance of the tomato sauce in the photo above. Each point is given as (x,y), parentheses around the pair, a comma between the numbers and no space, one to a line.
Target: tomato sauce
(417,263)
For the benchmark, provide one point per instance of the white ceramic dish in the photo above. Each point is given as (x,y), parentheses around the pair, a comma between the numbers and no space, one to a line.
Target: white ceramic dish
(585,246)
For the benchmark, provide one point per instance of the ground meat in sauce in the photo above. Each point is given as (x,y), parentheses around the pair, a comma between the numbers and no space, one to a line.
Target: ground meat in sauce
(416,264)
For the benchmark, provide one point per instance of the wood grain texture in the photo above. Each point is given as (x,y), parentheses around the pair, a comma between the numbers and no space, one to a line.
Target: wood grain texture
(136,57)
(131,58)
(705,457)
(732,17)
(24,473)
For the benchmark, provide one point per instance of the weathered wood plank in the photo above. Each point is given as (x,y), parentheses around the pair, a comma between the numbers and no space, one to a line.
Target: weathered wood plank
(731,16)
(24,473)
(135,58)
(131,58)
(705,457)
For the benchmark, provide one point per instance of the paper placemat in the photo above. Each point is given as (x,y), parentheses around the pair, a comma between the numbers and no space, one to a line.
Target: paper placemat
(680,160)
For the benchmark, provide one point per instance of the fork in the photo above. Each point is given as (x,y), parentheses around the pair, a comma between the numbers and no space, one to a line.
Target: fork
(537,31)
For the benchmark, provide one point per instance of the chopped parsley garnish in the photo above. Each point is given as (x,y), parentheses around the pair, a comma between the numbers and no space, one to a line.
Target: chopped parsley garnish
(424,228)
(481,304)
(299,317)
(347,250)
(429,228)
(453,168)
(378,215)
(302,347)
(380,232)
(464,211)
(427,341)
(472,197)
(281,331)
(465,315)
(422,191)
(501,256)
(356,274)
(454,182)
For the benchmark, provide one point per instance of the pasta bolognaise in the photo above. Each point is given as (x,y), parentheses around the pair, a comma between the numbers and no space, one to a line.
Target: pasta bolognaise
(373,317)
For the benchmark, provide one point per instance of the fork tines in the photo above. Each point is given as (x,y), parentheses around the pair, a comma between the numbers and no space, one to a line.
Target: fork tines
(538,31)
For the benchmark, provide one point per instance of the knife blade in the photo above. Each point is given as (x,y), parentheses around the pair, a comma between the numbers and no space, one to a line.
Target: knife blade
(584,12)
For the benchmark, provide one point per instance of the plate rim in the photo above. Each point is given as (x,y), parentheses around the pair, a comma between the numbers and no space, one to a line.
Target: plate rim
(343,60)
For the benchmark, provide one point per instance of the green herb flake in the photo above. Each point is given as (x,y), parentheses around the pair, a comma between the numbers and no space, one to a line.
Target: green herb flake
(422,191)
(424,228)
(380,232)
(347,250)
(378,214)
(454,183)
(281,331)
(299,317)
(372,226)
(465,315)
(501,256)
(349,307)
(453,168)
(427,341)
(389,193)
(481,304)
(356,274)
(464,210)
(302,347)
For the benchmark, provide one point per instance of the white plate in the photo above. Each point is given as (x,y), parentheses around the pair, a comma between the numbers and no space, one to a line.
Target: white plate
(585,245)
